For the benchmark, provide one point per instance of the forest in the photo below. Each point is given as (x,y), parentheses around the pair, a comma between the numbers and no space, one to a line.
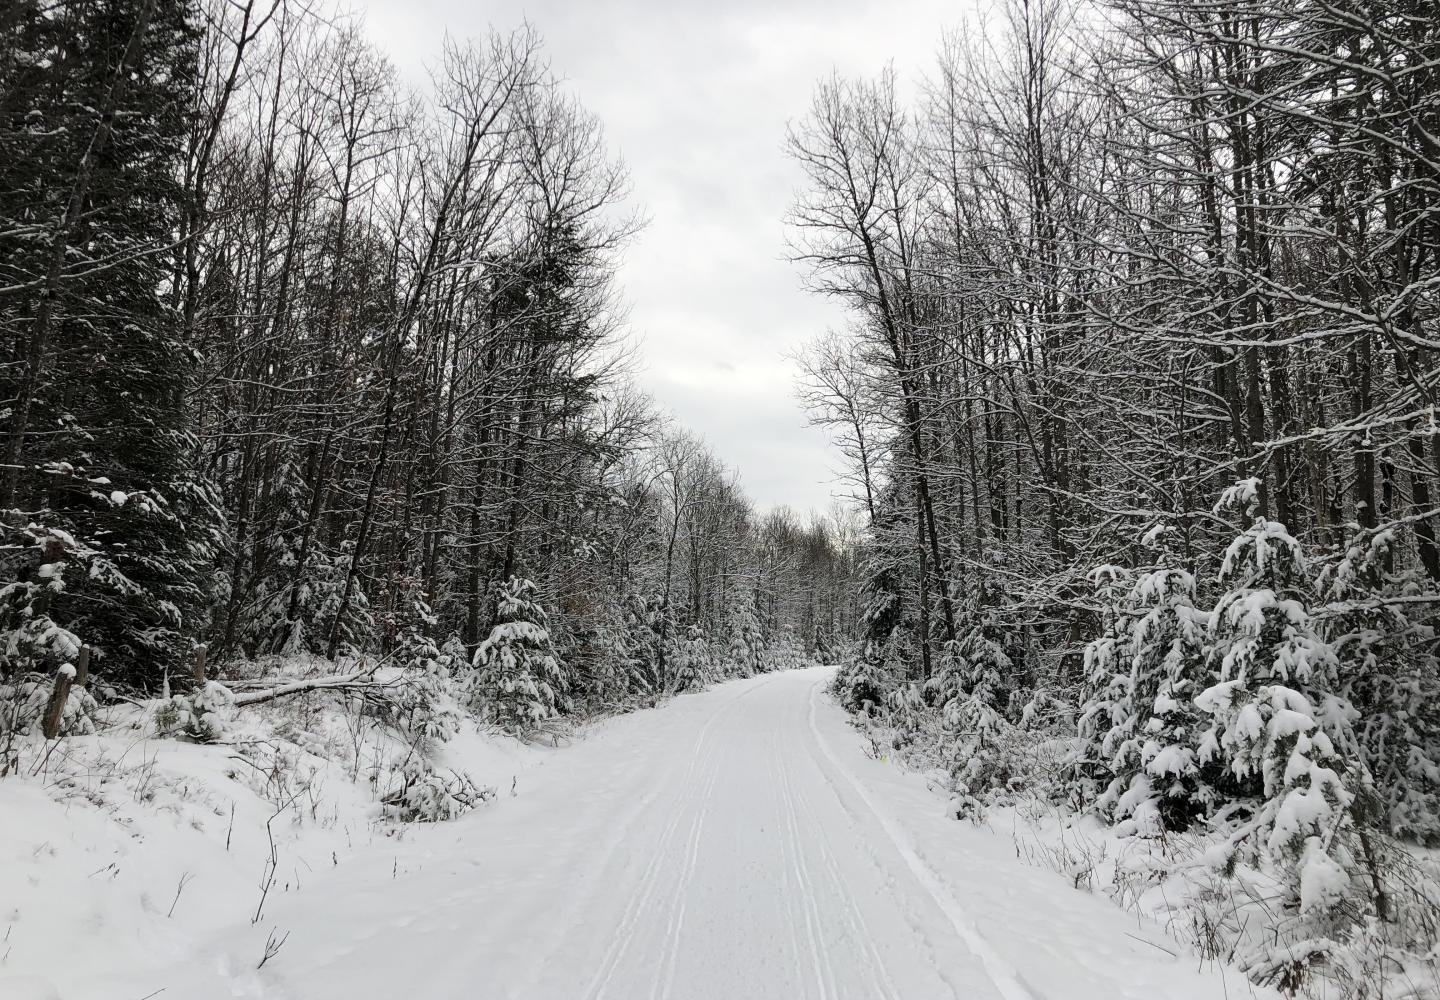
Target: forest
(1138,398)
(315,380)
(297,360)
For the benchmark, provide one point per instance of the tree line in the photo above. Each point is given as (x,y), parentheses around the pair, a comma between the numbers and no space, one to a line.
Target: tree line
(298,359)
(1137,393)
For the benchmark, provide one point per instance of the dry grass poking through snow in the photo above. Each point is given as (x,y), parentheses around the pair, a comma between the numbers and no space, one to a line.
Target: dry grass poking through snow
(152,827)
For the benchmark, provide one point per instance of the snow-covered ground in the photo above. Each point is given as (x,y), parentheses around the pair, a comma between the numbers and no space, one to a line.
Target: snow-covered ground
(736,844)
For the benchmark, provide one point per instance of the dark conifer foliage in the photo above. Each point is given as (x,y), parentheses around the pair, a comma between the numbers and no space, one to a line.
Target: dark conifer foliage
(99,474)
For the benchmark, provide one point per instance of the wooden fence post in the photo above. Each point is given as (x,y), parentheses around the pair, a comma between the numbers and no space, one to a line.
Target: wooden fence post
(59,694)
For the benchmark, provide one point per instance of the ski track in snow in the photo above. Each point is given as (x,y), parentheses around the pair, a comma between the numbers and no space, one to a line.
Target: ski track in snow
(824,980)
(851,912)
(732,845)
(1001,975)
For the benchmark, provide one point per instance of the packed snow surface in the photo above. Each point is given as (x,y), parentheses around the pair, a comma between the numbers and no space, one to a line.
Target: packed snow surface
(738,844)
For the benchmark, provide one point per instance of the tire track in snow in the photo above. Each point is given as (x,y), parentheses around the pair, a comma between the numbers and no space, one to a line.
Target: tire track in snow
(1004,977)
(581,903)
(647,889)
(884,869)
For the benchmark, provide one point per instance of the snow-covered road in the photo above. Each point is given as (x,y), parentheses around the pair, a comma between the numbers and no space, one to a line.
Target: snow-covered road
(732,845)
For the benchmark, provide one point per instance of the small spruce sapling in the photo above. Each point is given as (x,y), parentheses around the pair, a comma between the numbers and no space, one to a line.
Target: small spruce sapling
(519,675)
(860,682)
(747,642)
(970,685)
(33,645)
(694,662)
(426,689)
(1139,717)
(1273,709)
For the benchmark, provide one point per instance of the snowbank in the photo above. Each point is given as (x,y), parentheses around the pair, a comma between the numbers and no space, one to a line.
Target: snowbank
(121,851)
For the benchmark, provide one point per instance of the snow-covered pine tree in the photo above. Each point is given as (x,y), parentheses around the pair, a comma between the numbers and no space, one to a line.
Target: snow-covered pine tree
(33,640)
(1275,716)
(415,645)
(783,652)
(428,693)
(279,618)
(299,585)
(1107,711)
(612,658)
(34,645)
(324,590)
(1140,716)
(866,680)
(519,681)
(860,682)
(971,687)
(1390,675)
(694,661)
(453,657)
(746,656)
(638,643)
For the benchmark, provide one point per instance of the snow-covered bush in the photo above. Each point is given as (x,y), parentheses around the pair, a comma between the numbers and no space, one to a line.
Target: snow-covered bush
(423,794)
(24,698)
(201,715)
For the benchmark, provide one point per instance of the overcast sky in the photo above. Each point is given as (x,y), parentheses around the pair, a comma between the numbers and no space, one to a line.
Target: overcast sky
(695,97)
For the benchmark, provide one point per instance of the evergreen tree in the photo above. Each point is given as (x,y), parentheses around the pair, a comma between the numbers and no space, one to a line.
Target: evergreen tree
(519,681)
(693,660)
(427,689)
(1140,716)
(95,369)
(1390,676)
(1275,717)
(783,651)
(971,686)
(747,642)
(296,587)
(860,683)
